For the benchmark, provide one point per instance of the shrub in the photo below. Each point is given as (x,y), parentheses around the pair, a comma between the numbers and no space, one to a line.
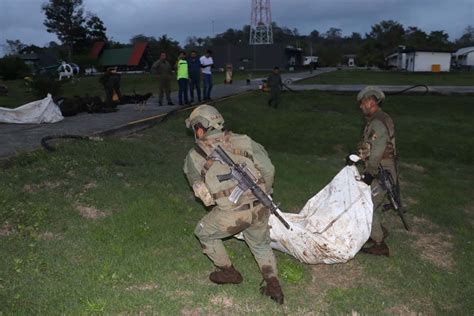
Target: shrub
(42,85)
(12,68)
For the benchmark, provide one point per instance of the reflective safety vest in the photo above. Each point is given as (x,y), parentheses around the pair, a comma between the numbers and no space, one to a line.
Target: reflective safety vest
(182,69)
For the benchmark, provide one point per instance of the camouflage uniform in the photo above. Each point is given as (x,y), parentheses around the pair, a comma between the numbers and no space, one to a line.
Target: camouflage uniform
(378,147)
(226,219)
(164,71)
(274,84)
(111,82)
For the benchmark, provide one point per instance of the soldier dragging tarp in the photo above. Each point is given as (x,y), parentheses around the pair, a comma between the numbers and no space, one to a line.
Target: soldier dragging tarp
(247,215)
(378,151)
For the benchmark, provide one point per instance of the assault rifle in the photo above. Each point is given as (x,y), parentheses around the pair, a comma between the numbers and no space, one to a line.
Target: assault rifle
(393,192)
(246,181)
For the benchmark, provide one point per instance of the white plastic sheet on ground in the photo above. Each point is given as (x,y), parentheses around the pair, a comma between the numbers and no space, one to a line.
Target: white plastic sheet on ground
(36,112)
(332,226)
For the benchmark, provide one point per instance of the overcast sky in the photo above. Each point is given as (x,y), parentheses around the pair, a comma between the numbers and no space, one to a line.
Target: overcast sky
(23,19)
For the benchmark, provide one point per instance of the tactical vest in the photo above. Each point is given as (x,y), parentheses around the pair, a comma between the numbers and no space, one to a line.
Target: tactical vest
(390,148)
(210,168)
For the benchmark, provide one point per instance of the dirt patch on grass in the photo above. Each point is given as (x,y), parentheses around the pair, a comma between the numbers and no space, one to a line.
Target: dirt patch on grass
(422,224)
(432,243)
(223,301)
(48,236)
(412,166)
(193,312)
(7,229)
(401,310)
(91,212)
(410,201)
(182,293)
(345,275)
(88,186)
(143,287)
(30,188)
(33,188)
(436,248)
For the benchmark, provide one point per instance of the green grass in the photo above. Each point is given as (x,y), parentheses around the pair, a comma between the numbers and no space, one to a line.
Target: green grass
(454,78)
(142,256)
(19,94)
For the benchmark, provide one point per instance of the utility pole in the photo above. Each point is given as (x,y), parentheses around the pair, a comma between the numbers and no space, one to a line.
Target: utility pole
(261,23)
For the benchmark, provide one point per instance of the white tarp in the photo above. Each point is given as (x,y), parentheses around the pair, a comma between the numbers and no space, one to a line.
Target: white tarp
(333,225)
(36,112)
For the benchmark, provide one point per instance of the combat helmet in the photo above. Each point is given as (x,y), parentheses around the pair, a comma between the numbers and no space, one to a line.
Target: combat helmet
(369,91)
(207,115)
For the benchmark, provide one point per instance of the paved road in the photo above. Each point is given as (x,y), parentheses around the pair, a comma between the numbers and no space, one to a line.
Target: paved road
(16,138)
(445,90)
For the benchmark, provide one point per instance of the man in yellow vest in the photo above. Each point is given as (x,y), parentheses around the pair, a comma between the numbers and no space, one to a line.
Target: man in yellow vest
(182,71)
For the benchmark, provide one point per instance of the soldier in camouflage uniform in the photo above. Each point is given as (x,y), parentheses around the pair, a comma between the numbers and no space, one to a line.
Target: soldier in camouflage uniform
(377,148)
(226,219)
(275,85)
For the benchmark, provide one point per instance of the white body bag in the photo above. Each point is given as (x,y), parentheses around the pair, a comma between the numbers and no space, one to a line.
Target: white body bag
(333,225)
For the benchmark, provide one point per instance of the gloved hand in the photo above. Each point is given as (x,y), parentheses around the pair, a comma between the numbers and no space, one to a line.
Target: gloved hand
(349,161)
(367,178)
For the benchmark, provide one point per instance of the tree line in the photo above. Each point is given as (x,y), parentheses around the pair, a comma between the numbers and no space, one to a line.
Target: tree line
(78,30)
(370,49)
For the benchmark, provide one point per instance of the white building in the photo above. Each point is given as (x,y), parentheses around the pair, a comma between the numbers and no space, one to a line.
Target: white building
(420,61)
(427,61)
(464,57)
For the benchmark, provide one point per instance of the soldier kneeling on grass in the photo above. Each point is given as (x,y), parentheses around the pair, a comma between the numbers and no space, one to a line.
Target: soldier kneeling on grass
(248,216)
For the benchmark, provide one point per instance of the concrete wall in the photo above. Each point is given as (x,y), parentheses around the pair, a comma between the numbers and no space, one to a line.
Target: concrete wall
(256,57)
(423,61)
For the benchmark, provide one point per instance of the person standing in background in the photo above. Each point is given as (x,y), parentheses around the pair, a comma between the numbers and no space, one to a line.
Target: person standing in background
(194,68)
(182,76)
(206,64)
(163,69)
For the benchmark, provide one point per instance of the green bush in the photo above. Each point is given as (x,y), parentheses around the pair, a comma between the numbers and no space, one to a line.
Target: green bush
(42,85)
(12,68)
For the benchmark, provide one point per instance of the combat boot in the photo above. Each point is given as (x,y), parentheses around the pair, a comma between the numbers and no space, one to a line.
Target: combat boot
(273,289)
(378,249)
(226,275)
(371,242)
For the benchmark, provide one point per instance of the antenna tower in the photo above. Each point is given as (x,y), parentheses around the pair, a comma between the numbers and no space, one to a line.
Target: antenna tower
(261,23)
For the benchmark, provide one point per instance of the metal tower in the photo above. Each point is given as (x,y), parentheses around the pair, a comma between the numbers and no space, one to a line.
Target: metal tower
(261,23)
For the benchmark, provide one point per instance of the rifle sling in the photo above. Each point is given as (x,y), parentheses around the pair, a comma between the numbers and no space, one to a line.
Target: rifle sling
(210,162)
